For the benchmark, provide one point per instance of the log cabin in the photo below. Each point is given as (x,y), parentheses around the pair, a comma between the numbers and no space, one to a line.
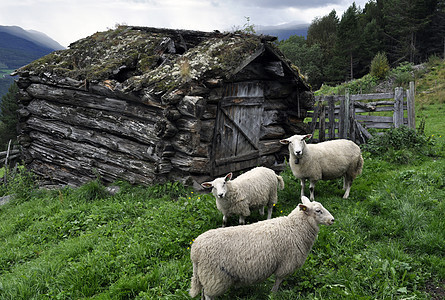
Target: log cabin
(150,105)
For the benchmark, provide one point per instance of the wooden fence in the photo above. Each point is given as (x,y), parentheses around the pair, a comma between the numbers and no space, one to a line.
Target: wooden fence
(350,116)
(6,157)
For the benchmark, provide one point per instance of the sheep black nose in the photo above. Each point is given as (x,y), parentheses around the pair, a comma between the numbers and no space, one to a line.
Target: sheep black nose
(220,195)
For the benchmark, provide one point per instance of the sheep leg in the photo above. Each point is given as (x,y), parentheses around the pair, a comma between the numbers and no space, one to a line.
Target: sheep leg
(312,189)
(205,297)
(276,285)
(261,211)
(224,221)
(269,211)
(302,183)
(241,220)
(347,182)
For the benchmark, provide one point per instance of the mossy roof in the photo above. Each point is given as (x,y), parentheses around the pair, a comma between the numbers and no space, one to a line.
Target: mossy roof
(162,59)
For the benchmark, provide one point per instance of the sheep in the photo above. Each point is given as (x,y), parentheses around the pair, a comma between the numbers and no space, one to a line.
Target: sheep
(244,255)
(322,161)
(253,189)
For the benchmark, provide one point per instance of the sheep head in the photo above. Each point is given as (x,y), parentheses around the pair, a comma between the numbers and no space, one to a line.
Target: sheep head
(219,185)
(296,144)
(315,210)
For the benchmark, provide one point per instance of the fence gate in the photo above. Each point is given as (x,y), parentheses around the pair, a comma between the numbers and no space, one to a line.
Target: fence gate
(350,116)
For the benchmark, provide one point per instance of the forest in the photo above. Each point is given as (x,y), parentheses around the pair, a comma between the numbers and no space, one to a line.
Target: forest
(339,49)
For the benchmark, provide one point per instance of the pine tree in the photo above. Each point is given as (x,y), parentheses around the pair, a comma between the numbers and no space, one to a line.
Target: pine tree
(348,41)
(8,117)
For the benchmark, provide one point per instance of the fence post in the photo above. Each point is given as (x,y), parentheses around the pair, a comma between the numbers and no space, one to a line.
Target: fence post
(398,107)
(331,116)
(322,127)
(410,106)
(315,117)
(347,123)
(341,119)
(5,180)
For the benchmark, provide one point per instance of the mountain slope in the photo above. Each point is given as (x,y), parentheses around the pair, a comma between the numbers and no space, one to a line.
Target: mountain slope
(284,31)
(19,47)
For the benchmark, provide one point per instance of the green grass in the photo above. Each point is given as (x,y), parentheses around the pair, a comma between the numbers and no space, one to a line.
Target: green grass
(387,242)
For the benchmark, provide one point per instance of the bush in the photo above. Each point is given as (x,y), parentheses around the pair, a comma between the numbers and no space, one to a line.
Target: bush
(403,74)
(380,66)
(401,145)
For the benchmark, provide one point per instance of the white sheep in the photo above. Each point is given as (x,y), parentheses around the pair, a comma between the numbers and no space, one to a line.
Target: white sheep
(323,161)
(243,255)
(253,189)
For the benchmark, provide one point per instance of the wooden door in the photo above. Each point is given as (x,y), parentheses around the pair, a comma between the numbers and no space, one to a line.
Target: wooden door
(237,133)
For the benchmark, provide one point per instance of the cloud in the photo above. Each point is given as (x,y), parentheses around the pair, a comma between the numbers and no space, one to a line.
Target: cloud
(67,21)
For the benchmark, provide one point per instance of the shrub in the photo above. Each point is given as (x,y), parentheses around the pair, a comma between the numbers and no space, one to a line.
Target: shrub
(20,183)
(400,145)
(403,74)
(380,66)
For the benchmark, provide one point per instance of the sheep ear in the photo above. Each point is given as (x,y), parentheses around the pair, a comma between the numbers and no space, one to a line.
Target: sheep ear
(307,137)
(303,207)
(228,177)
(285,141)
(305,200)
(207,184)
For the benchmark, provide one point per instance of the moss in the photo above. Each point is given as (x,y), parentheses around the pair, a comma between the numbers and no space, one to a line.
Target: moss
(99,56)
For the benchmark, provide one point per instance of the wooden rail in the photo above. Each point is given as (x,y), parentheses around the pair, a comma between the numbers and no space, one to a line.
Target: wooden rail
(350,116)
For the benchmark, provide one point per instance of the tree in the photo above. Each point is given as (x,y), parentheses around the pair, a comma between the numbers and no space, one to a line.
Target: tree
(348,41)
(307,58)
(404,20)
(8,116)
(323,32)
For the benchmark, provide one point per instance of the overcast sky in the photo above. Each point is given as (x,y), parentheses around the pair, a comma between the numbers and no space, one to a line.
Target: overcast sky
(67,21)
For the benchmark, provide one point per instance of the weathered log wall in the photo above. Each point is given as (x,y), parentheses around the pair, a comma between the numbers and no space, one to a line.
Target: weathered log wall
(143,118)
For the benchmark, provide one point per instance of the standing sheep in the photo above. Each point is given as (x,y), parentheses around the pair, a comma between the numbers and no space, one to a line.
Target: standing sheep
(322,161)
(253,189)
(243,255)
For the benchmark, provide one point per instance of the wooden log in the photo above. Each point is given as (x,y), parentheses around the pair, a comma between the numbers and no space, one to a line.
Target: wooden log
(150,152)
(273,117)
(189,143)
(207,130)
(172,114)
(272,132)
(192,106)
(77,98)
(214,82)
(189,124)
(191,164)
(172,97)
(83,158)
(114,123)
(364,106)
(165,129)
(57,174)
(269,147)
(210,111)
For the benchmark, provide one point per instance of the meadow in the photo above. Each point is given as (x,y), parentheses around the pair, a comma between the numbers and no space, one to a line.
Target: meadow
(387,242)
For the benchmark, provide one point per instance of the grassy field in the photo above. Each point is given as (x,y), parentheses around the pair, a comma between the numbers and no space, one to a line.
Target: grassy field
(387,242)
